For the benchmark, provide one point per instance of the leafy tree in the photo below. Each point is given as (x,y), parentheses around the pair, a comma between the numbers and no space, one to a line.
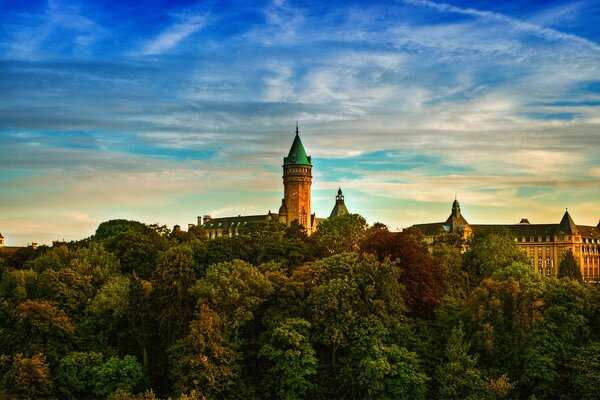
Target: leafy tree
(41,327)
(491,251)
(339,234)
(504,311)
(293,359)
(116,374)
(136,245)
(18,285)
(206,359)
(95,261)
(392,372)
(67,288)
(172,280)
(585,371)
(234,290)
(569,267)
(460,378)
(29,377)
(75,374)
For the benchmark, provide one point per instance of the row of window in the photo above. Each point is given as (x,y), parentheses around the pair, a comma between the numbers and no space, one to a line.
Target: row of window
(298,170)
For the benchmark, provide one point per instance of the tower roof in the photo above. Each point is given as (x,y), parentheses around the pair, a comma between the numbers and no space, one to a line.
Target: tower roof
(297,154)
(566,225)
(340,207)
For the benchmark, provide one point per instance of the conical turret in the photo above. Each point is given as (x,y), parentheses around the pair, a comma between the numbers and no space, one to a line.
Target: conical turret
(340,207)
(567,226)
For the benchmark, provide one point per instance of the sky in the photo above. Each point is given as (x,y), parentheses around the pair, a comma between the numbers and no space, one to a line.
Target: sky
(160,111)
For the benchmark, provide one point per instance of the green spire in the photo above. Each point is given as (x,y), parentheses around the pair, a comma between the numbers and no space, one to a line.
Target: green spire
(297,154)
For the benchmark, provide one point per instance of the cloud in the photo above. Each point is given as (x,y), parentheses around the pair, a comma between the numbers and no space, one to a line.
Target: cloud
(546,33)
(173,35)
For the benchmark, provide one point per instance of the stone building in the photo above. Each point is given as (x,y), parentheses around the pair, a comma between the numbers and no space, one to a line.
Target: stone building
(544,244)
(295,204)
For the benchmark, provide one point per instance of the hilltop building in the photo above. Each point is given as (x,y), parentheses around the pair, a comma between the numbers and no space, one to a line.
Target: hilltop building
(544,244)
(1,241)
(295,204)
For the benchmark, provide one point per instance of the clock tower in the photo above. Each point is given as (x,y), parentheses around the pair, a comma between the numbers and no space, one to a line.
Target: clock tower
(297,178)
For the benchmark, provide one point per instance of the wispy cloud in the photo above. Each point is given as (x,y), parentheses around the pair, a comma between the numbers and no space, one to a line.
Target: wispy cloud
(546,33)
(172,36)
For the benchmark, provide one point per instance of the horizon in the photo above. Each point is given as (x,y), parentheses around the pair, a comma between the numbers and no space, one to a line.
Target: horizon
(162,111)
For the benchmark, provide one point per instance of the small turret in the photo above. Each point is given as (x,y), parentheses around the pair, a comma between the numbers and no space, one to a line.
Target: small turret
(567,226)
(456,208)
(340,207)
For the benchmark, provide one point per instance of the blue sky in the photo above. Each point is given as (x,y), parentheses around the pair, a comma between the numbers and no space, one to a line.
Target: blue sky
(161,110)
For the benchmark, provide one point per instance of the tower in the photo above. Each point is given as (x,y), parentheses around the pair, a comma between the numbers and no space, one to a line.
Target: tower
(340,207)
(297,178)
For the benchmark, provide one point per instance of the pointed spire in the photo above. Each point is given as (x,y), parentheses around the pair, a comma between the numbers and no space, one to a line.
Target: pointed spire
(297,154)
(340,207)
(567,226)
(455,208)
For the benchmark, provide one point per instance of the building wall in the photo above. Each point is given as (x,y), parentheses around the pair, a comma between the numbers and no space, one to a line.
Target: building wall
(297,180)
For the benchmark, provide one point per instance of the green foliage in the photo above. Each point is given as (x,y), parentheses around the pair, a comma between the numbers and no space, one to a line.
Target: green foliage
(491,251)
(41,327)
(112,299)
(116,374)
(339,234)
(75,374)
(585,366)
(391,372)
(234,290)
(138,312)
(293,359)
(569,267)
(459,378)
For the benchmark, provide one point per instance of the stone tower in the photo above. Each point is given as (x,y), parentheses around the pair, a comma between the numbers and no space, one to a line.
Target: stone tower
(297,178)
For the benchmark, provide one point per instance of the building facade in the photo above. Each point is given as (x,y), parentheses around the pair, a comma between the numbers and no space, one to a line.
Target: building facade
(544,244)
(295,204)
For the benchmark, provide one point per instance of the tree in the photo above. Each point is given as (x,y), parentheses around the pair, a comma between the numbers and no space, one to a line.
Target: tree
(569,267)
(75,374)
(585,372)
(459,378)
(29,377)
(339,234)
(41,327)
(172,280)
(116,374)
(293,359)
(234,290)
(391,372)
(206,359)
(491,251)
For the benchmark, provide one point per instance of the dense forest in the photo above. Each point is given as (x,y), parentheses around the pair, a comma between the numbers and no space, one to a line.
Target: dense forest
(354,311)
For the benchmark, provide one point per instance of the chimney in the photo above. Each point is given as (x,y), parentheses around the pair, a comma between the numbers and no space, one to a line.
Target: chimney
(207,218)
(199,220)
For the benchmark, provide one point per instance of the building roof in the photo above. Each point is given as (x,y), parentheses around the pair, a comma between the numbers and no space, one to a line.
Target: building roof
(339,208)
(297,154)
(522,229)
(234,222)
(566,225)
